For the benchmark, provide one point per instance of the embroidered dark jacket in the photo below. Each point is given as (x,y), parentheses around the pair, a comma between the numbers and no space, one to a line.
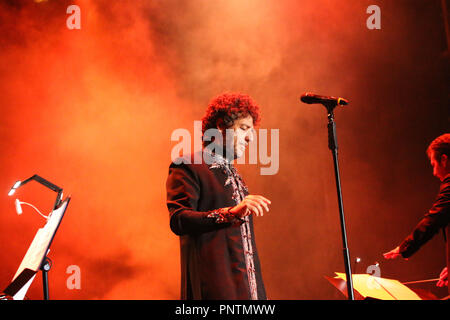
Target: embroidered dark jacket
(219,259)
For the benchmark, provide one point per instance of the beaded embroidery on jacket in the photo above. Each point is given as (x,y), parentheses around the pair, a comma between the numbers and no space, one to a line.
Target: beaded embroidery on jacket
(239,190)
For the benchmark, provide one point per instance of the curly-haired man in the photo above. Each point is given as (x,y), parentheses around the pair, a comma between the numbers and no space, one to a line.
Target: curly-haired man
(438,217)
(212,211)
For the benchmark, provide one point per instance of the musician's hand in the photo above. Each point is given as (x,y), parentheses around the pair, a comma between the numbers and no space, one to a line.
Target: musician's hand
(252,204)
(443,278)
(393,254)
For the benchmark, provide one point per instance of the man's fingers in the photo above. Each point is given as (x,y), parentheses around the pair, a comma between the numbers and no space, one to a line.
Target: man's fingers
(443,278)
(255,196)
(264,199)
(257,206)
(261,201)
(390,255)
(253,208)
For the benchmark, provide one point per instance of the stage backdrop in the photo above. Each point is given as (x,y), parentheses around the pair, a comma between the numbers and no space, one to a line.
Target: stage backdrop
(91,104)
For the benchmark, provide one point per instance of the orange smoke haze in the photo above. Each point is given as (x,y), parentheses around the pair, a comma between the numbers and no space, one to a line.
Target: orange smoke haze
(92,110)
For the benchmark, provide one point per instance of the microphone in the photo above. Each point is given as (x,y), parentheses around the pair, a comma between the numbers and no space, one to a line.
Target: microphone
(311,98)
(18,207)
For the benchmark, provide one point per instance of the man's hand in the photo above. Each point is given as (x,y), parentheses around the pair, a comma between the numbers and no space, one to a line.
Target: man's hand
(252,204)
(393,254)
(443,278)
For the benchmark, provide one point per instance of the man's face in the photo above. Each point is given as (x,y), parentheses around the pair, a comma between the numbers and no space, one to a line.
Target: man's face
(242,134)
(440,168)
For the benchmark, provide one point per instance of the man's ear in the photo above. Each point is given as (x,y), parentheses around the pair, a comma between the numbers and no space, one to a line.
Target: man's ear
(445,161)
(219,125)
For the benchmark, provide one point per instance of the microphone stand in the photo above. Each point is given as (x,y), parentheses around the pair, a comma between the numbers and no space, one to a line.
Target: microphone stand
(332,145)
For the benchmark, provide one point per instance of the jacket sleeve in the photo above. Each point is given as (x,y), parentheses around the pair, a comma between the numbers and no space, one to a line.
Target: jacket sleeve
(438,217)
(183,192)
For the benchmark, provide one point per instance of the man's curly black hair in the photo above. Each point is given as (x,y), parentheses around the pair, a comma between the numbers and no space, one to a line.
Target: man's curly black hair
(227,108)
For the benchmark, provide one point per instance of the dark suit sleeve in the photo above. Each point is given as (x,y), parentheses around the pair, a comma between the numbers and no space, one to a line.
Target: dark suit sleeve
(183,192)
(438,217)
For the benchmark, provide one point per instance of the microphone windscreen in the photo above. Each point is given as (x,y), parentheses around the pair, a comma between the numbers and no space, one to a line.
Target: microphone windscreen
(306,98)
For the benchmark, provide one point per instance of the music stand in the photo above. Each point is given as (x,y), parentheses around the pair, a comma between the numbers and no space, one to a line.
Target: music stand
(35,258)
(368,287)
